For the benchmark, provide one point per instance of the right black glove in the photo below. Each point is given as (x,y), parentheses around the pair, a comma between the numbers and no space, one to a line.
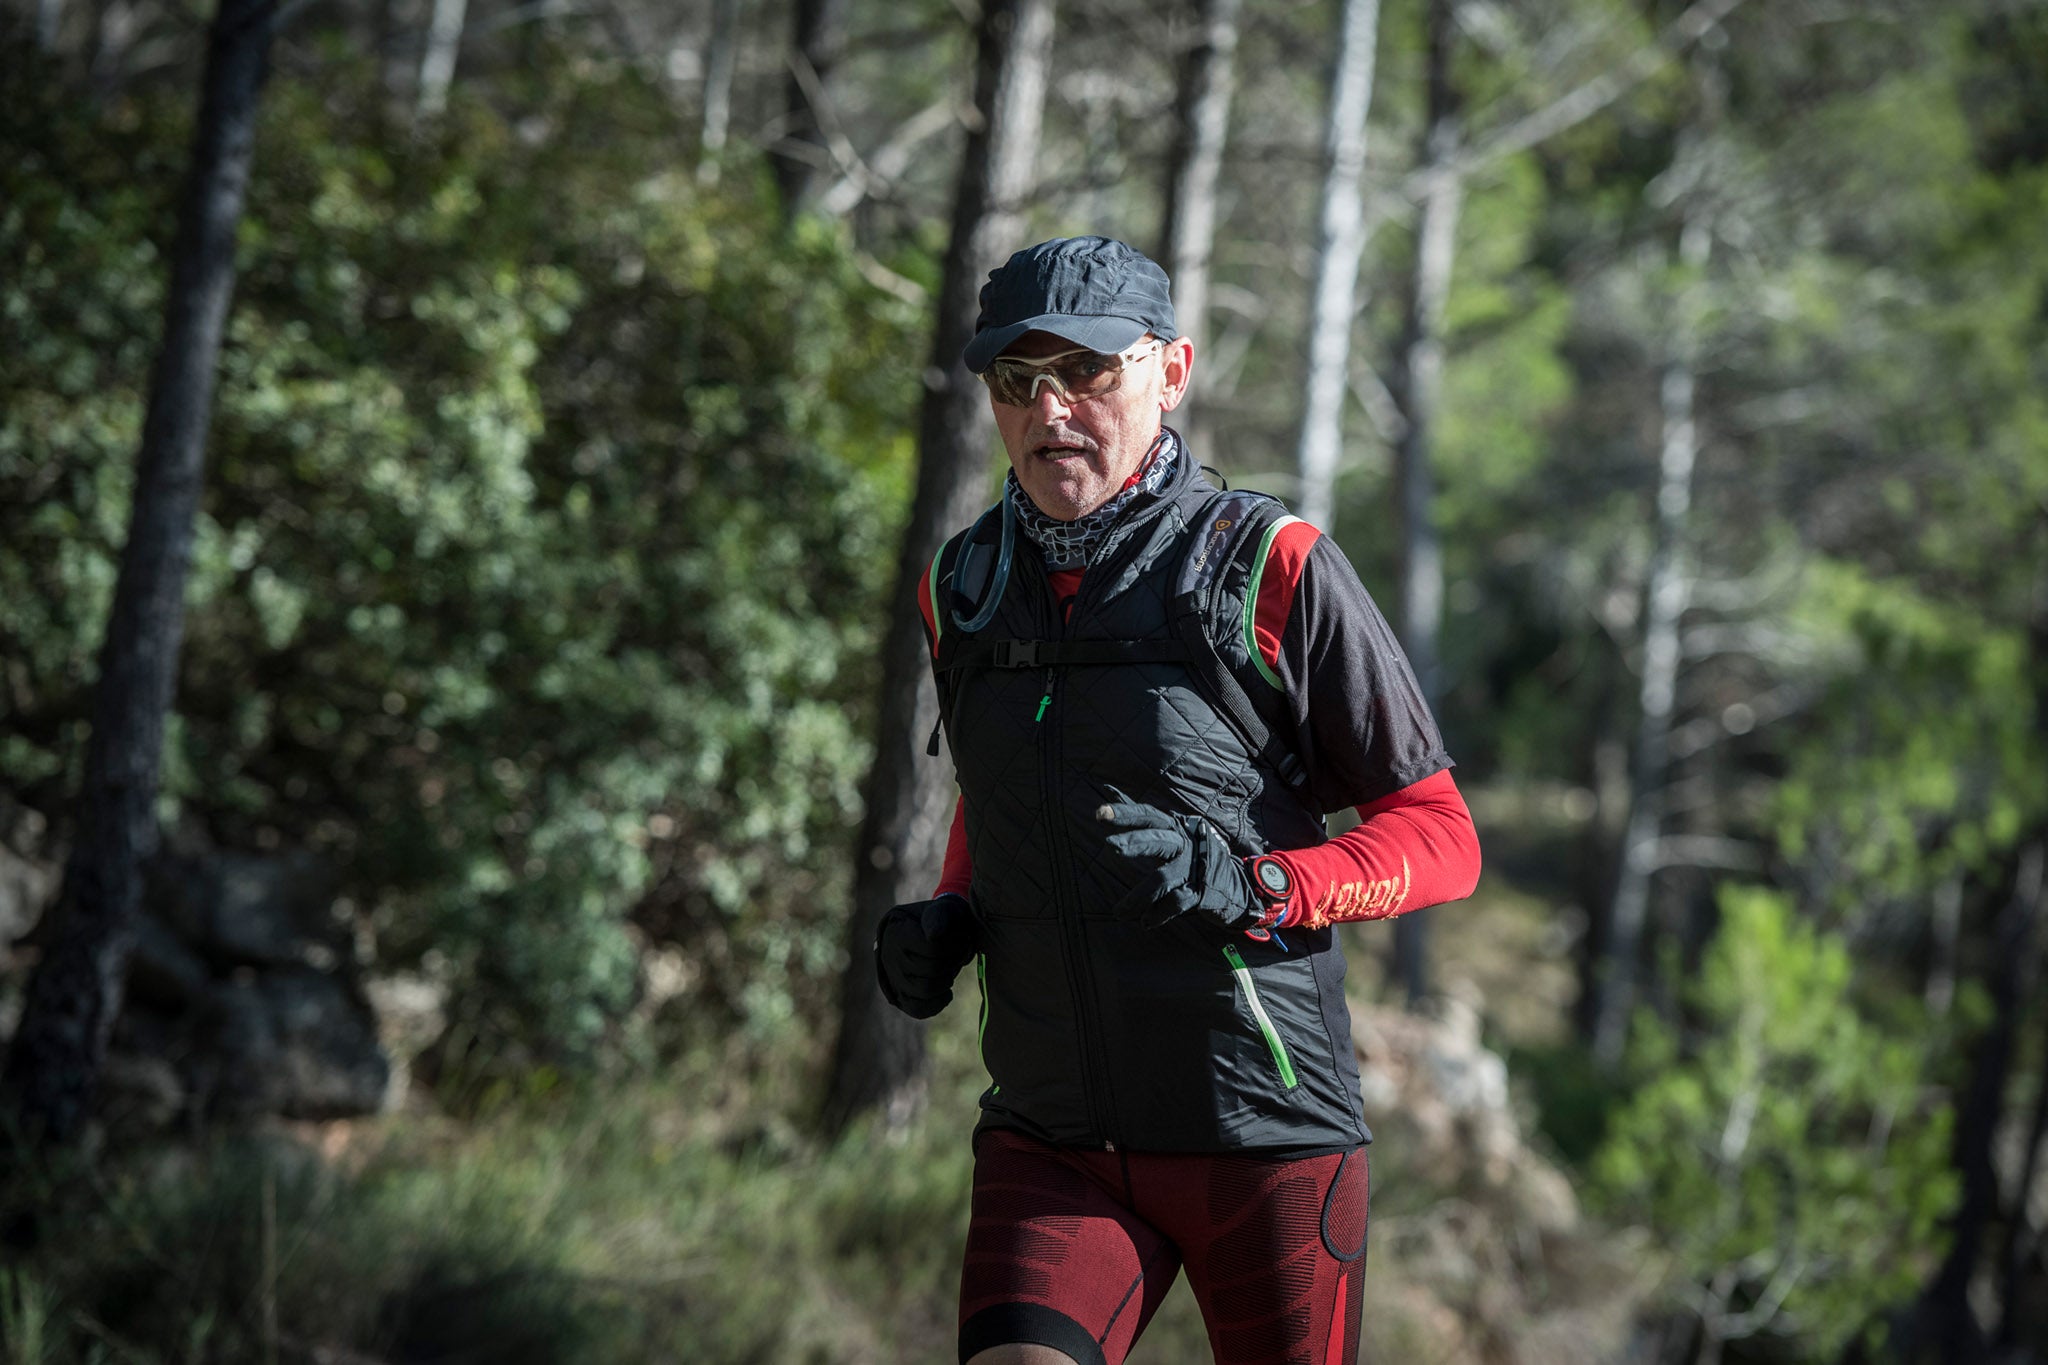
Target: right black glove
(920,948)
(1182,863)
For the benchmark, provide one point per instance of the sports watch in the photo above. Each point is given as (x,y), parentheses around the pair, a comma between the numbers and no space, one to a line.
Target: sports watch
(1274,885)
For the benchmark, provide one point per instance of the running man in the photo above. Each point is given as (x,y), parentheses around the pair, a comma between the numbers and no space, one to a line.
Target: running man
(1154,691)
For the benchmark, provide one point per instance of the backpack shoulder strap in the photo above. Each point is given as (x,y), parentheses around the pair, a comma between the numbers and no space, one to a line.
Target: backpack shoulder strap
(959,579)
(1233,527)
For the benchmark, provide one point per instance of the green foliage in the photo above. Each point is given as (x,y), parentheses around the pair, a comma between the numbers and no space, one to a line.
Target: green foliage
(1923,763)
(1789,1152)
(549,502)
(1574,1096)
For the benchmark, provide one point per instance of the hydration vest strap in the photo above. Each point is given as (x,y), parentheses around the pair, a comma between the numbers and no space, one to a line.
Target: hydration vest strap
(1230,522)
(1063,653)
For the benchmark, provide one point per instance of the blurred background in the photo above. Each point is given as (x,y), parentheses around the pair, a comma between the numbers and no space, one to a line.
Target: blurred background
(442,935)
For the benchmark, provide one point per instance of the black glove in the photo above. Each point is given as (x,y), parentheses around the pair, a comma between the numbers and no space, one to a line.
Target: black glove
(919,949)
(1184,863)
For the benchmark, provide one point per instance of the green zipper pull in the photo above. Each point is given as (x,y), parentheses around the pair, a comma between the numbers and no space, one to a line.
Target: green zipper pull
(1045,700)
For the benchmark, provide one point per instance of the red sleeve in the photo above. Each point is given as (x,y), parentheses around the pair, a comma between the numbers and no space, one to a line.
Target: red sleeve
(958,872)
(926,606)
(1412,848)
(1279,578)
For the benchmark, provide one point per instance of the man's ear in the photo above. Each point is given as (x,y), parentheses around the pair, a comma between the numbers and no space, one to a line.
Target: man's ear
(1177,365)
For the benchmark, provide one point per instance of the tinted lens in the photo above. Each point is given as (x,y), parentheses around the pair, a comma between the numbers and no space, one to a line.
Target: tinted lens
(1073,378)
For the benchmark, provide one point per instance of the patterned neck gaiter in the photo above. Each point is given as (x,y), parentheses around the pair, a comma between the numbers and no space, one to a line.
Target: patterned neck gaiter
(1072,544)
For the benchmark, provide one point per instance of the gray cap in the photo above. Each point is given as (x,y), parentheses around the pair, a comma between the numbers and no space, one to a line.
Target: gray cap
(1093,291)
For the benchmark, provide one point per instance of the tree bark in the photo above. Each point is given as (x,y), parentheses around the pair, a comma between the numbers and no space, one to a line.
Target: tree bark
(1340,242)
(437,60)
(2022,1238)
(1421,385)
(1665,599)
(813,51)
(394,71)
(1188,235)
(721,55)
(1948,1323)
(880,1058)
(49,19)
(75,994)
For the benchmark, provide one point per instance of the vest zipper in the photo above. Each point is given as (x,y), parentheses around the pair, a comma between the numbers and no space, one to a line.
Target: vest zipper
(1067,898)
(1272,1034)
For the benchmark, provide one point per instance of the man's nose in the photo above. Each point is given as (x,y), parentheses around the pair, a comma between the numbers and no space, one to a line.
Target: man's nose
(1046,399)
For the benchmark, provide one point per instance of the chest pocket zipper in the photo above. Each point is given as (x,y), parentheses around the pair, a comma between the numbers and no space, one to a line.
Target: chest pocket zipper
(1271,1034)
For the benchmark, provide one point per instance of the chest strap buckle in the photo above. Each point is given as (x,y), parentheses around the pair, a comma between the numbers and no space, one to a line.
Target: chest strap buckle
(1017,653)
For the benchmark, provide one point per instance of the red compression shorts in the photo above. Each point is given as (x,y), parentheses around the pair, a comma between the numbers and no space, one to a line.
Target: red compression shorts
(1076,1249)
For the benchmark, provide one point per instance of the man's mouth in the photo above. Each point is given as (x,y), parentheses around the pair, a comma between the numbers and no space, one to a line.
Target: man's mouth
(1059,450)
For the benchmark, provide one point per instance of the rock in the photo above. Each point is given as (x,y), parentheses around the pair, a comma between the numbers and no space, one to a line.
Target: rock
(27,886)
(242,994)
(296,1042)
(1543,1198)
(1500,1265)
(245,908)
(165,973)
(143,1091)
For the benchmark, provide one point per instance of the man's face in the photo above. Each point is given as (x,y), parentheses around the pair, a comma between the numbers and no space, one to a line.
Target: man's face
(1073,456)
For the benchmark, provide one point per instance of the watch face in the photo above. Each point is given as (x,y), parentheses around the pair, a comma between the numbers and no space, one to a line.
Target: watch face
(1273,878)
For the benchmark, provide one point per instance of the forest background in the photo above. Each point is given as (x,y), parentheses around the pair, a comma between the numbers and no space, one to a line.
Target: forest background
(547,729)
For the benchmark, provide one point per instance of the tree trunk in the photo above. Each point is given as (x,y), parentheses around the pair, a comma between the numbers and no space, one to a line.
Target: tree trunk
(1948,1323)
(1339,243)
(2022,1238)
(394,71)
(721,54)
(75,994)
(879,1061)
(1599,848)
(1665,599)
(1421,385)
(814,49)
(49,19)
(437,61)
(1188,235)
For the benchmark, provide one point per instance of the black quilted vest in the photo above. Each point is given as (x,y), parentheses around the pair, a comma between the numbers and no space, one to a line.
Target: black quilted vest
(1098,1032)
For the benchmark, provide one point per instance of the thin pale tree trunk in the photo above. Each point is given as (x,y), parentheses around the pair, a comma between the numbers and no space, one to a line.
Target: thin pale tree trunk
(1421,387)
(1340,240)
(437,60)
(879,1062)
(813,52)
(721,55)
(49,19)
(1203,125)
(1665,599)
(74,996)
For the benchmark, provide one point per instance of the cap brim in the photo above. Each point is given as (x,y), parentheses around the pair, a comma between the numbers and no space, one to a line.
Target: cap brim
(1096,332)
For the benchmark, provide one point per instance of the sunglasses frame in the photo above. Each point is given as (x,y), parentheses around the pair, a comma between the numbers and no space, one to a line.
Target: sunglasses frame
(1042,369)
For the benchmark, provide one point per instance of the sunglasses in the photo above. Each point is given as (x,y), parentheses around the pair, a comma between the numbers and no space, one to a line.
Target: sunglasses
(1076,375)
